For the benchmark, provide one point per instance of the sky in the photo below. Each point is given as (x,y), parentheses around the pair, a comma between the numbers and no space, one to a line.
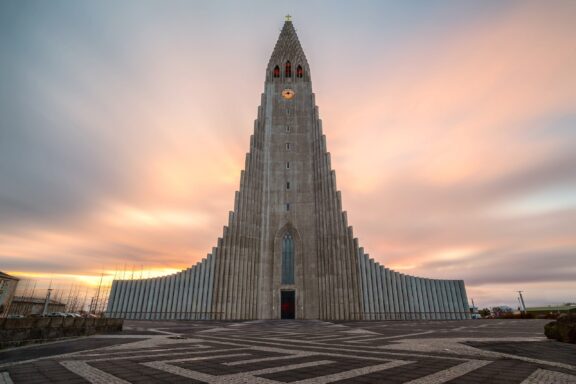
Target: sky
(451,124)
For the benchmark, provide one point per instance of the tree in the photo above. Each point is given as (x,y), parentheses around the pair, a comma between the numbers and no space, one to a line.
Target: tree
(484,312)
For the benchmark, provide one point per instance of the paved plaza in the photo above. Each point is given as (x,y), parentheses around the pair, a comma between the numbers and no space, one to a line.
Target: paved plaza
(472,351)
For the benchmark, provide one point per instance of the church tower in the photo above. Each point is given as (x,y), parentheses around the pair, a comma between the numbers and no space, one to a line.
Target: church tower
(288,251)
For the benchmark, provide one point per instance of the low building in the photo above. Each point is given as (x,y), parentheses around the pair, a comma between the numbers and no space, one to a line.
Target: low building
(552,309)
(27,306)
(7,289)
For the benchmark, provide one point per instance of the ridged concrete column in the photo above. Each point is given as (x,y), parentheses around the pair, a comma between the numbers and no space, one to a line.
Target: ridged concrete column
(369,286)
(122,297)
(412,301)
(179,294)
(201,289)
(390,294)
(141,292)
(362,272)
(112,299)
(405,297)
(418,290)
(464,298)
(382,274)
(374,279)
(147,306)
(428,299)
(381,308)
(191,293)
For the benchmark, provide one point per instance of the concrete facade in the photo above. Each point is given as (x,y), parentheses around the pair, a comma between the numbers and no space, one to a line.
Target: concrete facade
(7,290)
(287,191)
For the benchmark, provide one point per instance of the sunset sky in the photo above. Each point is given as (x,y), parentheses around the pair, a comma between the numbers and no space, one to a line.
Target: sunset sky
(451,124)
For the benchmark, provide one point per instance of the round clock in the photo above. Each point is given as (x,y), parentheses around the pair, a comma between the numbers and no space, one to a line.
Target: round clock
(288,93)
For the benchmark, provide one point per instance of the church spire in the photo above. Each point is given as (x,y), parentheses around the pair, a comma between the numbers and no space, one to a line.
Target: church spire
(288,61)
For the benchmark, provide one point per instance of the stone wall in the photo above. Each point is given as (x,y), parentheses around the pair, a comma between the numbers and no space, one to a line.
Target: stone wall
(16,332)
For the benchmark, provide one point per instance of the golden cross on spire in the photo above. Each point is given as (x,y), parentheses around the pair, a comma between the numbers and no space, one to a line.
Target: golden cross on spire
(288,18)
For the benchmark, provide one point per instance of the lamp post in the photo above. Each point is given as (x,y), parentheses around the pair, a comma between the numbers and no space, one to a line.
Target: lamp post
(522,302)
(46,302)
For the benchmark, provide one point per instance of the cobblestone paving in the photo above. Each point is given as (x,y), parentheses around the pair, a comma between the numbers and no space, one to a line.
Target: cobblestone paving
(422,352)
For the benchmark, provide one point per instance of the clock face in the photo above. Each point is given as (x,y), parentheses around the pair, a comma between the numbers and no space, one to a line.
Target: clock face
(288,93)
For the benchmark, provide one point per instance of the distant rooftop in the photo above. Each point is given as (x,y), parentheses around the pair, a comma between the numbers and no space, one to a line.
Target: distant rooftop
(553,308)
(34,300)
(7,276)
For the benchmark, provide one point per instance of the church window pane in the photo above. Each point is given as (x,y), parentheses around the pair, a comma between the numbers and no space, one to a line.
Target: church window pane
(276,71)
(299,71)
(287,259)
(288,71)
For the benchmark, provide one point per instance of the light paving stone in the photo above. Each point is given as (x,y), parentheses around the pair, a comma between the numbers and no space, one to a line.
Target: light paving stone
(5,378)
(543,376)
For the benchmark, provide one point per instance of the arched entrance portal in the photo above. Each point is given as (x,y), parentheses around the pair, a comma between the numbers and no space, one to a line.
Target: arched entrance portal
(287,296)
(288,304)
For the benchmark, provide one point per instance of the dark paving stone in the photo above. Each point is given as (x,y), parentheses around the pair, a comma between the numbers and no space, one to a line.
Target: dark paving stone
(217,367)
(58,348)
(404,373)
(543,350)
(43,372)
(504,371)
(137,373)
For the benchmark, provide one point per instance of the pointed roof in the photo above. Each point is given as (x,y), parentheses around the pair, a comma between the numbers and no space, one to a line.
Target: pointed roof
(7,276)
(288,48)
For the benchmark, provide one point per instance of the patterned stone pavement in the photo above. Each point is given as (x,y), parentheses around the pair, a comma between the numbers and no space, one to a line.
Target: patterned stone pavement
(473,351)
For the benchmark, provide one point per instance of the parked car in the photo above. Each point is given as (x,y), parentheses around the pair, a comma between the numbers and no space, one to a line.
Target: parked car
(57,314)
(15,316)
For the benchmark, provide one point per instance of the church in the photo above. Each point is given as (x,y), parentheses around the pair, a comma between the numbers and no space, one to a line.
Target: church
(288,251)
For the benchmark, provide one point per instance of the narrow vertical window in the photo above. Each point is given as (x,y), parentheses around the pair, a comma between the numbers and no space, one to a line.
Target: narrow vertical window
(299,71)
(287,185)
(287,206)
(287,165)
(276,72)
(287,146)
(288,71)
(287,259)
(287,129)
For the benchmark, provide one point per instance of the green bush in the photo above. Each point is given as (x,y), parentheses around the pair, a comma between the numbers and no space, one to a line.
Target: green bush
(563,329)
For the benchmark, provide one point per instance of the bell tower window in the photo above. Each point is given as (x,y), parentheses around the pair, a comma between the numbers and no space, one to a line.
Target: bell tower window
(299,72)
(288,70)
(276,72)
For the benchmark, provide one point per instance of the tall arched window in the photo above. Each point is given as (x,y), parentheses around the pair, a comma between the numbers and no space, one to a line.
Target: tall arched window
(276,71)
(299,71)
(287,259)
(288,71)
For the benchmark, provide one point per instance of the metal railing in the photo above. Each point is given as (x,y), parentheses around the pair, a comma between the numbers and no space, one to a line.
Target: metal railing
(454,315)
(165,315)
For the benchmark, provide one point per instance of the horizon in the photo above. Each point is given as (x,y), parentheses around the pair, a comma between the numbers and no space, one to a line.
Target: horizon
(451,129)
